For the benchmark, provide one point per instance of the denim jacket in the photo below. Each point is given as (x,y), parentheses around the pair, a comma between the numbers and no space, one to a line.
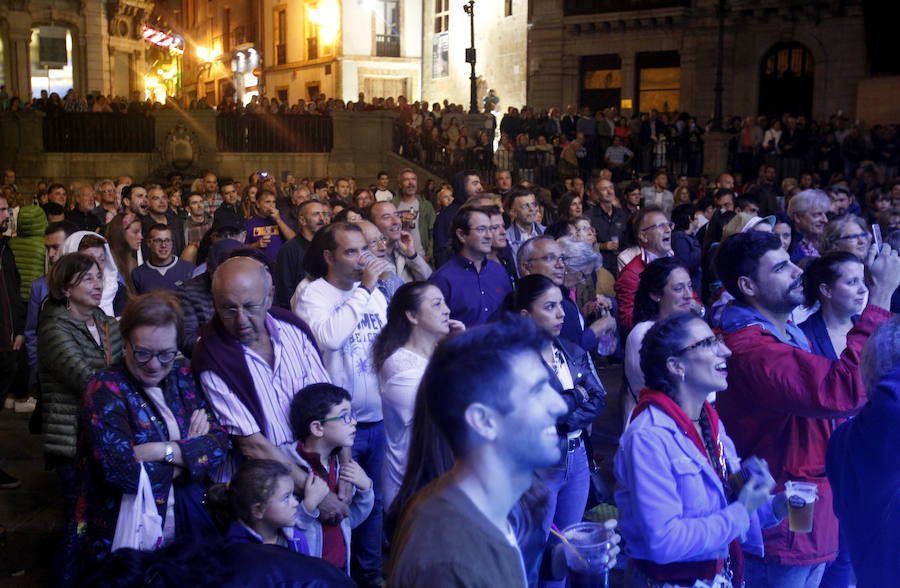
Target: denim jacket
(672,507)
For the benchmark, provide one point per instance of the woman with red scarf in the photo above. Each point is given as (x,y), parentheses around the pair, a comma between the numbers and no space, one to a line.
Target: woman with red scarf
(684,522)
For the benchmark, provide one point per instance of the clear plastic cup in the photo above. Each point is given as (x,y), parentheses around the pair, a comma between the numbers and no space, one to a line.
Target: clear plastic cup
(801,499)
(587,554)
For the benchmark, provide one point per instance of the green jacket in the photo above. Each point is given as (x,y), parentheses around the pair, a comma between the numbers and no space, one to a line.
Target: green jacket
(28,246)
(427,217)
(68,356)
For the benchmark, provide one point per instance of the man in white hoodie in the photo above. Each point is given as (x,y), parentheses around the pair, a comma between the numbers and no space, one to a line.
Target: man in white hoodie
(345,311)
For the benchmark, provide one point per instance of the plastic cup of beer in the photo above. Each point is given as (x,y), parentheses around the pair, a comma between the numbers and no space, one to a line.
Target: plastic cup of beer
(801,499)
(587,554)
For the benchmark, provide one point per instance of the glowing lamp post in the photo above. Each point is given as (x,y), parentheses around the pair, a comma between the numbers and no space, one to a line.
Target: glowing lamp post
(469,7)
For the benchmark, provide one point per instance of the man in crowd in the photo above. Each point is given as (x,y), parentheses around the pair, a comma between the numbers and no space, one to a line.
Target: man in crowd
(345,312)
(211,197)
(765,190)
(782,399)
(57,194)
(466,185)
(657,194)
(229,210)
(521,205)
(473,285)
(287,206)
(159,213)
(501,252)
(607,219)
(416,213)
(12,320)
(618,157)
(266,229)
(377,245)
(107,209)
(401,251)
(382,192)
(313,215)
(134,199)
(654,235)
(490,397)
(163,270)
(251,360)
(198,221)
(342,192)
(82,215)
(502,182)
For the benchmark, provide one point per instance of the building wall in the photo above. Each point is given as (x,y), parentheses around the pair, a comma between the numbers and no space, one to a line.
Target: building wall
(837,43)
(501,43)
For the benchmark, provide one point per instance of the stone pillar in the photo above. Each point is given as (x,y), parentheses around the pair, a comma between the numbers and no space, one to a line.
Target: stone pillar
(715,153)
(628,83)
(19,61)
(96,68)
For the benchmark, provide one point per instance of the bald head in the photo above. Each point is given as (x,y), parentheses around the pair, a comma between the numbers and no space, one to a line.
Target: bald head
(242,292)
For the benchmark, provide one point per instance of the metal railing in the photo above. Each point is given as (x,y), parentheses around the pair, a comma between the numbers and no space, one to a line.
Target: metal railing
(387,45)
(274,133)
(98,132)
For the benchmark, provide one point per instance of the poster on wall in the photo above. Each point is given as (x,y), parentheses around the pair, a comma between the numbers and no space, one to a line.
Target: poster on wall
(52,47)
(440,56)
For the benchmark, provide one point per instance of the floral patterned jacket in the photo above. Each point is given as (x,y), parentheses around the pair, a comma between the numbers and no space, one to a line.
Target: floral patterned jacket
(115,416)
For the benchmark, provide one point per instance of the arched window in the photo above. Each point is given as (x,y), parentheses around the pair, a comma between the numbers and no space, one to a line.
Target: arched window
(51,60)
(786,80)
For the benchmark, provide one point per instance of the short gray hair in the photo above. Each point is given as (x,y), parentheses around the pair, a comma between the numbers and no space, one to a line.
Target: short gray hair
(806,200)
(579,255)
(832,231)
(880,354)
(526,252)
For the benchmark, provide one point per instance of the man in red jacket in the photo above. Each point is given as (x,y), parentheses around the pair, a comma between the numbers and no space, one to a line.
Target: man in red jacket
(781,398)
(654,235)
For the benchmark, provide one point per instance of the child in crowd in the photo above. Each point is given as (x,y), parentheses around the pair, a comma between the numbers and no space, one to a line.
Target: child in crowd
(324,423)
(260,505)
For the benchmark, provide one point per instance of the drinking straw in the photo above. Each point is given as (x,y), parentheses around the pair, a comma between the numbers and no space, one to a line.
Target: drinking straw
(555,530)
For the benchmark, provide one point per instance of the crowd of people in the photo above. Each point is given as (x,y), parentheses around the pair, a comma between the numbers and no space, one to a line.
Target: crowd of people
(402,381)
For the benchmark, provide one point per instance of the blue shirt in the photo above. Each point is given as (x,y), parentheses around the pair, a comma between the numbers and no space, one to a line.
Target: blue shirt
(474,297)
(147,278)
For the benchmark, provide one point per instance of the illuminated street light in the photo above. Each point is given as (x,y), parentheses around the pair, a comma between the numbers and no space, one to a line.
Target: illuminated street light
(327,17)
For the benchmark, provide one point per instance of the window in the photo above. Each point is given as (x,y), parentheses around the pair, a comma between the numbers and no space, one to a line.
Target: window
(226,27)
(507,10)
(659,81)
(441,16)
(279,34)
(2,57)
(323,24)
(387,28)
(51,60)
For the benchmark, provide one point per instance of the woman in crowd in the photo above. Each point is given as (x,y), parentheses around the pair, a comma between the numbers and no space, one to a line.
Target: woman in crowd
(590,318)
(123,233)
(664,290)
(678,513)
(570,206)
(837,282)
(115,292)
(572,374)
(248,200)
(418,318)
(146,411)
(783,229)
(846,233)
(865,490)
(76,339)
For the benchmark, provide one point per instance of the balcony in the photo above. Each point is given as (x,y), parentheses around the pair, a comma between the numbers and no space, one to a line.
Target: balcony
(387,45)
(281,54)
(98,132)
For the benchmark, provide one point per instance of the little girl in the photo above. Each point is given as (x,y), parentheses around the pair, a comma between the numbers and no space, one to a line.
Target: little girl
(259,506)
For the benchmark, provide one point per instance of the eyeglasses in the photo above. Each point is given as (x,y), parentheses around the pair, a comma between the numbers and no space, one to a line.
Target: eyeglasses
(161,241)
(231,311)
(382,240)
(550,258)
(347,417)
(143,356)
(670,226)
(707,343)
(857,236)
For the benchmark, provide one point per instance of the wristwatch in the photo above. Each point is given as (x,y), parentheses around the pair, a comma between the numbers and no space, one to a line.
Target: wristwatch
(170,454)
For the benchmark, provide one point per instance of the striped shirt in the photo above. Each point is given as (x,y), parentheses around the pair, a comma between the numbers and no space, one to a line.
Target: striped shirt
(296,365)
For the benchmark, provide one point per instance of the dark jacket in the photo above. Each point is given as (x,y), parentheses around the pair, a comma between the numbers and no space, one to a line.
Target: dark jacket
(864,473)
(68,357)
(587,399)
(289,269)
(442,250)
(197,303)
(12,319)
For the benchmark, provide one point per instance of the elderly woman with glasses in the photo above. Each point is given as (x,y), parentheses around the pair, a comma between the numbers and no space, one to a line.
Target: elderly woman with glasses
(146,411)
(682,514)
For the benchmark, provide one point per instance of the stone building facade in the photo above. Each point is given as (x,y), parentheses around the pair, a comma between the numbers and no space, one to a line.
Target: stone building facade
(806,58)
(94,47)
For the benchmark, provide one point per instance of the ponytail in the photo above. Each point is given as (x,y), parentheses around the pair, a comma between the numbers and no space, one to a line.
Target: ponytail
(253,483)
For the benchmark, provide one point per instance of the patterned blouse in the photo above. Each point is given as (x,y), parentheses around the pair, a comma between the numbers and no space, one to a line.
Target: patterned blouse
(116,416)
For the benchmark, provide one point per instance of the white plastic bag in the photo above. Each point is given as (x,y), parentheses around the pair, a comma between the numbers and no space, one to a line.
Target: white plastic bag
(139,525)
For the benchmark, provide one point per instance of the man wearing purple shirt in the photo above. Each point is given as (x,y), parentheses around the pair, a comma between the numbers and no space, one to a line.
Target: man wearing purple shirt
(266,229)
(473,285)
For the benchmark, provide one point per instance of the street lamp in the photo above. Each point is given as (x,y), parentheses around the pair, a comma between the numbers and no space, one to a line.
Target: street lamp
(469,7)
(719,88)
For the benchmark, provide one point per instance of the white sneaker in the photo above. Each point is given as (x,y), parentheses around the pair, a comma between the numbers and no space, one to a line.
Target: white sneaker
(25,405)
(9,403)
